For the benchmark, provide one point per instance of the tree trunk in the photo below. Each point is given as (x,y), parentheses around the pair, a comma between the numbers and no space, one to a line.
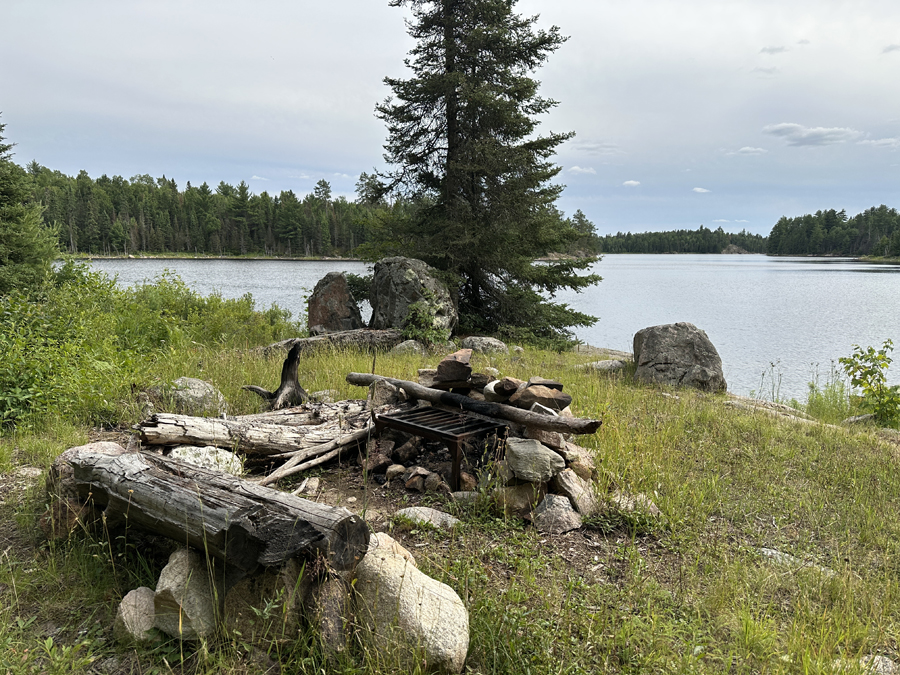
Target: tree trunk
(289,392)
(565,425)
(241,523)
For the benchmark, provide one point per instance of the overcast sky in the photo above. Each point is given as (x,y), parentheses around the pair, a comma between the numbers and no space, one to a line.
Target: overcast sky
(720,112)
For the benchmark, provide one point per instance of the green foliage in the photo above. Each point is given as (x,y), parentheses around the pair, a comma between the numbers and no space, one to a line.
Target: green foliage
(27,246)
(828,401)
(474,173)
(701,240)
(359,286)
(867,369)
(421,321)
(875,231)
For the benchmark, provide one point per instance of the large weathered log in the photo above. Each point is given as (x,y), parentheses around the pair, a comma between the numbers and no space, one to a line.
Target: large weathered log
(241,523)
(498,410)
(289,392)
(252,437)
(362,339)
(306,414)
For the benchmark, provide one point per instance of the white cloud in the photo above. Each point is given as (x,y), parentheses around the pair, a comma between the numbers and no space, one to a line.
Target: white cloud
(803,42)
(773,70)
(747,150)
(721,220)
(342,175)
(596,147)
(742,221)
(882,142)
(302,176)
(578,169)
(255,177)
(890,48)
(631,183)
(701,190)
(797,134)
(773,50)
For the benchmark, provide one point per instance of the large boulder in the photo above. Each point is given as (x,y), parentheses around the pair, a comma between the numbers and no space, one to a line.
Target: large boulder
(399,282)
(406,614)
(332,305)
(678,354)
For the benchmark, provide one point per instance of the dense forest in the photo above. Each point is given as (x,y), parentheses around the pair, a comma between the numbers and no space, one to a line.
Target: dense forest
(702,240)
(875,231)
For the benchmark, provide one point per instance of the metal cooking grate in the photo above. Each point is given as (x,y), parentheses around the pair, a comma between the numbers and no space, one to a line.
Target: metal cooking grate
(450,428)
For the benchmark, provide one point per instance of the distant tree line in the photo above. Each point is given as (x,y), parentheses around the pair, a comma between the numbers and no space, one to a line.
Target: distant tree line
(875,231)
(143,214)
(701,240)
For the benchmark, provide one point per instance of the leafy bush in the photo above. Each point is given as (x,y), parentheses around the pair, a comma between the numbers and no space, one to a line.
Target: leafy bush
(867,370)
(421,321)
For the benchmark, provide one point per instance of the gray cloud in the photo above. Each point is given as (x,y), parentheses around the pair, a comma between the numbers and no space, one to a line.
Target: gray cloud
(773,50)
(797,134)
(766,70)
(892,143)
(890,48)
(803,42)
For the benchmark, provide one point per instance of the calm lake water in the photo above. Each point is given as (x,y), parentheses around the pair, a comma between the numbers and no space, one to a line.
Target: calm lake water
(781,316)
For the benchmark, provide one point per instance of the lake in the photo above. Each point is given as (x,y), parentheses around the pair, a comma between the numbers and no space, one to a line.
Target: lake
(782,317)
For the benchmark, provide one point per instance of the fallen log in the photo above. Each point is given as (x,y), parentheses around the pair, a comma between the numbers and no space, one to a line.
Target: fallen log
(361,339)
(236,521)
(306,414)
(289,392)
(324,453)
(566,425)
(257,438)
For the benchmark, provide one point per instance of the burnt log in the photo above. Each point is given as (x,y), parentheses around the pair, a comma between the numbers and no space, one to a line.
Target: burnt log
(568,425)
(362,340)
(236,521)
(289,392)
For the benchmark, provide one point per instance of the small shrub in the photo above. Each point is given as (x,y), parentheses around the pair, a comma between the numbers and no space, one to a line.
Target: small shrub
(867,369)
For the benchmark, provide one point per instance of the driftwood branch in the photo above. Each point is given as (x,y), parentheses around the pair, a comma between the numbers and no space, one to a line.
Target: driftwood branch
(497,410)
(239,522)
(323,454)
(362,339)
(289,392)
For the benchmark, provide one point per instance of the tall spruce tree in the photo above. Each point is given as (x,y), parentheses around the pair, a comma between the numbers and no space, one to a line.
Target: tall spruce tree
(27,247)
(462,143)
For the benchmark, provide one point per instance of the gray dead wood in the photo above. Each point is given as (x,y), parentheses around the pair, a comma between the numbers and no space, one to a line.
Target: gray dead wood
(306,414)
(362,339)
(236,521)
(497,410)
(252,438)
(289,392)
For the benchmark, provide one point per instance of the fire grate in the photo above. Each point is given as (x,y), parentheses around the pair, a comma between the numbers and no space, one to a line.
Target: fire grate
(450,428)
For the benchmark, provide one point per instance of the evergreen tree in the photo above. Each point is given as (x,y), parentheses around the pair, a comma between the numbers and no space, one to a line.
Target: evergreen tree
(462,143)
(27,247)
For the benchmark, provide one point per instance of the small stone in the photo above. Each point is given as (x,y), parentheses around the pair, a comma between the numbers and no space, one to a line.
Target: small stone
(532,461)
(426,376)
(377,463)
(484,345)
(311,487)
(518,350)
(493,372)
(579,492)
(551,398)
(543,382)
(631,503)
(407,452)
(552,439)
(490,393)
(135,618)
(410,347)
(325,396)
(414,478)
(602,367)
(465,497)
(581,461)
(507,386)
(455,367)
(393,471)
(433,482)
(184,601)
(555,515)
(428,516)
(209,457)
(382,392)
(858,419)
(467,481)
(519,500)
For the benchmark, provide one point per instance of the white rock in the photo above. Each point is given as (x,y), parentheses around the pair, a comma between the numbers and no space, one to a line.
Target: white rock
(136,617)
(405,613)
(870,665)
(382,542)
(428,516)
(209,457)
(484,345)
(185,599)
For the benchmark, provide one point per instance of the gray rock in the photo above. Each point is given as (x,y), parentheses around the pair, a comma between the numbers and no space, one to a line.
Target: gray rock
(455,367)
(678,354)
(190,396)
(626,503)
(578,491)
(552,439)
(135,618)
(185,597)
(209,457)
(465,497)
(491,395)
(484,345)
(555,515)
(393,471)
(581,461)
(325,396)
(382,392)
(519,500)
(609,366)
(793,562)
(399,282)
(428,516)
(410,347)
(266,603)
(332,305)
(532,461)
(869,665)
(858,419)
(404,613)
(549,397)
(382,542)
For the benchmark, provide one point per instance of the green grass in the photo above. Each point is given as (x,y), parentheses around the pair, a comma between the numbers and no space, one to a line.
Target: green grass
(686,593)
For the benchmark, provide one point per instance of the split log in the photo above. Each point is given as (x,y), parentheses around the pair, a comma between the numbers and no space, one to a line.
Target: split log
(256,438)
(289,392)
(497,410)
(362,339)
(236,521)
